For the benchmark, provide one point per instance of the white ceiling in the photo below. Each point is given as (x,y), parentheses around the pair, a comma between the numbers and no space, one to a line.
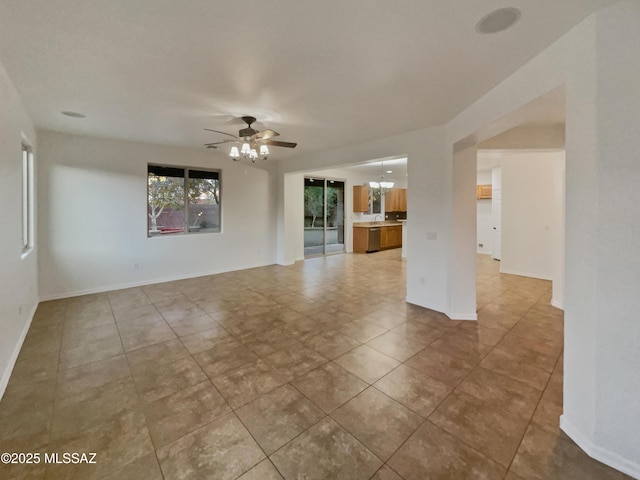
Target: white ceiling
(323,74)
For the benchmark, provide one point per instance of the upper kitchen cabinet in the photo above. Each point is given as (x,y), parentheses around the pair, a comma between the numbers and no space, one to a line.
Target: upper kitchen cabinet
(484,191)
(360,198)
(402,199)
(395,200)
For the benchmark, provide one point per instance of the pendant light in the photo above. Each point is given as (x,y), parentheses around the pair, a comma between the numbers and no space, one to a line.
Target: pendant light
(382,184)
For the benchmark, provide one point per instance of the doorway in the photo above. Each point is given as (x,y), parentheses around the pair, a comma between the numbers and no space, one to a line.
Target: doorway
(323,216)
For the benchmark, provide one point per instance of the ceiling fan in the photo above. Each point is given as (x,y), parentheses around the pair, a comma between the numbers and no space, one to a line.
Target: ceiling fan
(255,144)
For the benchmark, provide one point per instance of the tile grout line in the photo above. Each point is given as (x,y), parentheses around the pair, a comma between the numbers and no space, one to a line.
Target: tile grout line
(530,422)
(55,389)
(469,373)
(137,390)
(289,382)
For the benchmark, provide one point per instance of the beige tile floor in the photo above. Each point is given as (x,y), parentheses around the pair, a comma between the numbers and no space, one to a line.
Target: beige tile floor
(314,371)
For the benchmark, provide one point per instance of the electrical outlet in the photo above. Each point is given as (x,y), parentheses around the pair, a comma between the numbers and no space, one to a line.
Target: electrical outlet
(136,266)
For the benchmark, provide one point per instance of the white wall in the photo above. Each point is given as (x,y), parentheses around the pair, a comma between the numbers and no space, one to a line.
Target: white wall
(93,211)
(484,216)
(290,209)
(532,199)
(464,218)
(18,272)
(616,232)
(528,136)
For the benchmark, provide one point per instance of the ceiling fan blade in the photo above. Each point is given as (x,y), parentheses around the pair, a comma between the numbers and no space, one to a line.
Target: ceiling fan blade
(226,140)
(265,134)
(277,143)
(218,131)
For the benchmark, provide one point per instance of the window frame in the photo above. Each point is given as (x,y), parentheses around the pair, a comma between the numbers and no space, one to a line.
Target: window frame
(186,229)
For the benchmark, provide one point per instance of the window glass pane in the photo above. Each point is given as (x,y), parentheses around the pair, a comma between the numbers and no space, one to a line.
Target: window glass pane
(334,237)
(166,201)
(204,202)
(25,197)
(313,216)
(204,174)
(376,201)
(163,171)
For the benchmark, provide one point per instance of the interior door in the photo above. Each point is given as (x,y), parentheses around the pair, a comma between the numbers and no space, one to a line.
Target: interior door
(496,210)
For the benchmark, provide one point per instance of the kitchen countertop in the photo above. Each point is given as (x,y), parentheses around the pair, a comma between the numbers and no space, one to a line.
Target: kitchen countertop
(376,224)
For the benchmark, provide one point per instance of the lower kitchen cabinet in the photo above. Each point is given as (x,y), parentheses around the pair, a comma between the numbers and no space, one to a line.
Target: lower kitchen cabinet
(360,240)
(391,237)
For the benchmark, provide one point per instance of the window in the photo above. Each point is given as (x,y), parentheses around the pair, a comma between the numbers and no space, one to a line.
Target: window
(27,198)
(182,200)
(375,200)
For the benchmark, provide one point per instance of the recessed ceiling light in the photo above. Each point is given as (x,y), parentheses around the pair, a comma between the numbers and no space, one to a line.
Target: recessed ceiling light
(498,20)
(73,114)
(389,171)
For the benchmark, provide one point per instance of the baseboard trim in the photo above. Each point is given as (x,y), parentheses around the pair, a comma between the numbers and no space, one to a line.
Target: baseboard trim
(287,264)
(601,454)
(463,316)
(6,375)
(452,316)
(121,286)
(524,274)
(419,303)
(556,304)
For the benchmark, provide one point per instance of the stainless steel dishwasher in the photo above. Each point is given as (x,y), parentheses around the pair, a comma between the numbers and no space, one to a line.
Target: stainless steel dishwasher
(374,239)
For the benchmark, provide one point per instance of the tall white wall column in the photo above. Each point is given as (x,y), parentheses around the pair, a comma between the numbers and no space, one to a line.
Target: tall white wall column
(464,229)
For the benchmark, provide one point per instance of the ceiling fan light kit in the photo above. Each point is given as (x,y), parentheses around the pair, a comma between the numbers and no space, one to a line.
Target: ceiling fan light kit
(254,143)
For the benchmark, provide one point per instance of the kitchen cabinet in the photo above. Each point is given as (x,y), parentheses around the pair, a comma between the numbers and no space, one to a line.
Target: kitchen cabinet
(402,200)
(395,200)
(360,240)
(360,198)
(484,191)
(390,237)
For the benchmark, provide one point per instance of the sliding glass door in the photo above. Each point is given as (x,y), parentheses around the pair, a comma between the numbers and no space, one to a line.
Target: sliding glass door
(334,214)
(323,216)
